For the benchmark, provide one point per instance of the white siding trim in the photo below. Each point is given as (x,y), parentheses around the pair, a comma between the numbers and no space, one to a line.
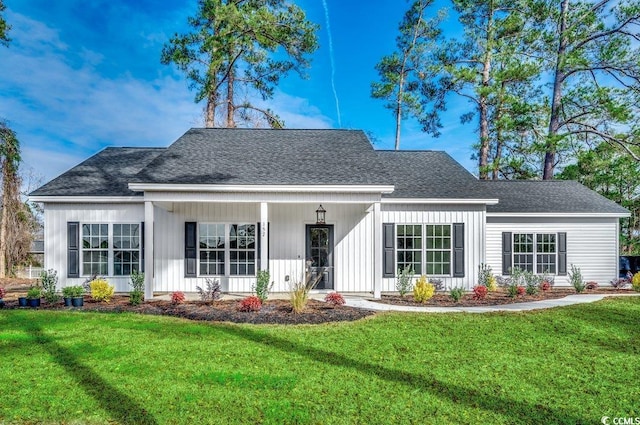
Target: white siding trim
(165,187)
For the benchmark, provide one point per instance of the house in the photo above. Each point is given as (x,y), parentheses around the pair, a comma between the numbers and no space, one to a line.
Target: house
(225,203)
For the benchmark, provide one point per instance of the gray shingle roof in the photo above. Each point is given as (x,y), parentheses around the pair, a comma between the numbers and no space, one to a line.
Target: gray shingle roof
(107,173)
(428,174)
(555,196)
(262,156)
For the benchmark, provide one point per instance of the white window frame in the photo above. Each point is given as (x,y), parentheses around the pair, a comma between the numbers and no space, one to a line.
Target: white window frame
(535,253)
(423,248)
(113,249)
(227,249)
(110,249)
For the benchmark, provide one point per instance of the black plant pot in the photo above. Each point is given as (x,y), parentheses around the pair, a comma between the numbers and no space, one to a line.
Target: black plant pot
(22,301)
(77,302)
(34,302)
(1,303)
(67,302)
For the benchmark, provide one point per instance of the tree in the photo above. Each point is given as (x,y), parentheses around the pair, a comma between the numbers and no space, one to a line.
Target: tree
(240,48)
(610,171)
(4,27)
(403,72)
(592,52)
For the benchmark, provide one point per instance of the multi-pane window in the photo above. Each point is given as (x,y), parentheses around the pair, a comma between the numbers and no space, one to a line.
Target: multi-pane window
(212,245)
(438,249)
(95,249)
(126,249)
(535,252)
(242,249)
(523,251)
(409,247)
(546,253)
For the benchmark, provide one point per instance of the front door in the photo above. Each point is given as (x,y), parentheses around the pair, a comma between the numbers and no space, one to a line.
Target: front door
(320,250)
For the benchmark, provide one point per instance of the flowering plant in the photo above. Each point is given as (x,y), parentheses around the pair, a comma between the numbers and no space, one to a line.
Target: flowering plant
(177,297)
(334,299)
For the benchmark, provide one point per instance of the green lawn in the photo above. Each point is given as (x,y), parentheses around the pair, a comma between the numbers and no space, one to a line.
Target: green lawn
(571,365)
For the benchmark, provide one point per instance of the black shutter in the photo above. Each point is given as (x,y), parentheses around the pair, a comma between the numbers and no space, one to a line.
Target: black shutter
(388,248)
(142,247)
(506,253)
(458,249)
(562,254)
(190,249)
(73,249)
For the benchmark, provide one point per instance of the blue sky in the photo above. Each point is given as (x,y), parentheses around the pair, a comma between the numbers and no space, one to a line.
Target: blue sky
(82,75)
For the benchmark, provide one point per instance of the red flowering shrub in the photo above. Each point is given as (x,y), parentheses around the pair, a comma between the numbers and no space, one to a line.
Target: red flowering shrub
(334,299)
(521,290)
(479,292)
(249,304)
(177,297)
(545,286)
(2,293)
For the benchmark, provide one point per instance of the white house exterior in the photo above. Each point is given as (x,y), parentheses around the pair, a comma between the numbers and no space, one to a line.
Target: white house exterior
(225,203)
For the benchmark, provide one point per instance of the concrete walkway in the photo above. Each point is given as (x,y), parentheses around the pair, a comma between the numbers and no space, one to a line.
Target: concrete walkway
(360,302)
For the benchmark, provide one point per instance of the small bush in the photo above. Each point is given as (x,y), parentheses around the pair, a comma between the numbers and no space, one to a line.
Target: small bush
(137,281)
(492,284)
(635,282)
(480,292)
(575,277)
(591,285)
(619,283)
(177,297)
(532,282)
(101,290)
(545,285)
(3,292)
(503,282)
(299,296)
(423,290)
(334,299)
(49,281)
(262,286)
(437,283)
(403,282)
(456,293)
(212,291)
(34,293)
(532,289)
(521,290)
(135,297)
(250,304)
(512,290)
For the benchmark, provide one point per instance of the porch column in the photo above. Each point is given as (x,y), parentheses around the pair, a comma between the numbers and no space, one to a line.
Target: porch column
(148,250)
(264,236)
(377,251)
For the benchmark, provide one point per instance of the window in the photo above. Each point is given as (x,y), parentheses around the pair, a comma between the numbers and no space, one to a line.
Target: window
(212,244)
(409,247)
(95,249)
(242,249)
(234,244)
(431,256)
(438,249)
(543,251)
(126,249)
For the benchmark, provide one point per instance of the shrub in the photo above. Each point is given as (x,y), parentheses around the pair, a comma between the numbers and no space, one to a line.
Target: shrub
(75,291)
(521,290)
(619,283)
(532,282)
(503,281)
(212,291)
(49,281)
(177,297)
(480,292)
(635,282)
(512,290)
(423,290)
(492,284)
(135,297)
(486,278)
(456,293)
(575,277)
(137,281)
(3,292)
(545,285)
(262,286)
(101,290)
(591,285)
(403,282)
(335,299)
(250,304)
(34,293)
(299,296)
(437,283)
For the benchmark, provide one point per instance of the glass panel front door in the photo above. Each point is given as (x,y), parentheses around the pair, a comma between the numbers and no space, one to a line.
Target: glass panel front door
(320,251)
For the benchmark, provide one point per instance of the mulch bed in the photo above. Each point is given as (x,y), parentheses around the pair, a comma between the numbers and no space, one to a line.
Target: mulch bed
(499,297)
(272,312)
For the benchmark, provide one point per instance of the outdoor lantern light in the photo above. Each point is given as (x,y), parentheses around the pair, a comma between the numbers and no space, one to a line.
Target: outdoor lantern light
(320,215)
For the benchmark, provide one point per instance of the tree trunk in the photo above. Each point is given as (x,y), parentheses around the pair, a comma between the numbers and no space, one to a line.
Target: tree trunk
(399,110)
(3,232)
(483,106)
(558,80)
(231,122)
(210,114)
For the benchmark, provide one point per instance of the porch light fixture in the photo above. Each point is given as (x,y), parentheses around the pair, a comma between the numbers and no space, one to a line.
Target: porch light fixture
(320,215)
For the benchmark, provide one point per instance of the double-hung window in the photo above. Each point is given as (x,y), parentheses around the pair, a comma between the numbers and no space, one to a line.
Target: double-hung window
(95,249)
(126,249)
(535,252)
(424,248)
(227,244)
(118,244)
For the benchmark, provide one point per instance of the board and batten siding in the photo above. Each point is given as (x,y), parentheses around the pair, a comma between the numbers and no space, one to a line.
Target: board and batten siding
(592,243)
(353,235)
(473,217)
(56,217)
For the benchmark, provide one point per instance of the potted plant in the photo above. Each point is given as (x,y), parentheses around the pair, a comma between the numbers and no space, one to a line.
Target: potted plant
(22,301)
(77,299)
(67,295)
(33,296)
